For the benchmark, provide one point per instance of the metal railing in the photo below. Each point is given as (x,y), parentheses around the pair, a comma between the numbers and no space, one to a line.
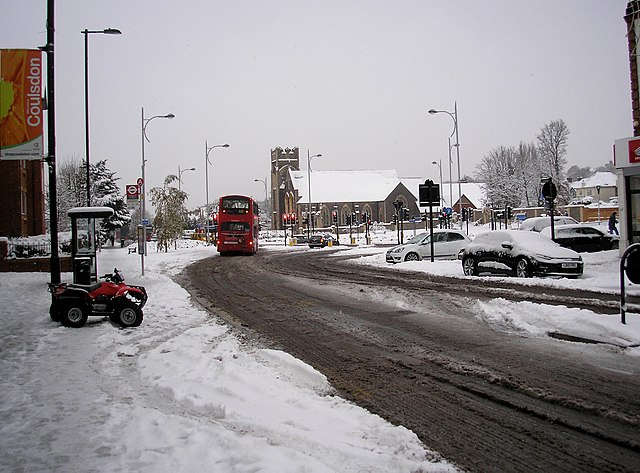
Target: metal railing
(34,250)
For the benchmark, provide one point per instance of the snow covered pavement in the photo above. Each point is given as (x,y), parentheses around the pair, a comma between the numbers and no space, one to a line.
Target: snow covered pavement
(181,392)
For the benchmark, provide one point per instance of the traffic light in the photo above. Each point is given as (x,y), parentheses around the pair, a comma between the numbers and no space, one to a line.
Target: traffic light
(363,217)
(405,214)
(465,215)
(348,220)
(293,219)
(334,216)
(509,213)
(395,218)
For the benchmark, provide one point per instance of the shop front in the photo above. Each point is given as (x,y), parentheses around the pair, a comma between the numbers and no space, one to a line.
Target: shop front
(627,164)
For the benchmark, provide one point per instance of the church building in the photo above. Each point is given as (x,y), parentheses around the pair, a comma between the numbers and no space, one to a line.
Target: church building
(319,194)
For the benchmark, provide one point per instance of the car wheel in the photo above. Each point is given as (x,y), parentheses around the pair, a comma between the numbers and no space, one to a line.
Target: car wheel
(469,266)
(523,268)
(74,314)
(128,314)
(412,257)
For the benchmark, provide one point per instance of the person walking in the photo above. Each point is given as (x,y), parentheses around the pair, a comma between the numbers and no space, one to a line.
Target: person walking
(613,221)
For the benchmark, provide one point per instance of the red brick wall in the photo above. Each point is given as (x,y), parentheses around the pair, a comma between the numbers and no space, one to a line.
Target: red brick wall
(16,178)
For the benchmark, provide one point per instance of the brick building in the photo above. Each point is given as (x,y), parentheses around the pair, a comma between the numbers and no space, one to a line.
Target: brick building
(22,197)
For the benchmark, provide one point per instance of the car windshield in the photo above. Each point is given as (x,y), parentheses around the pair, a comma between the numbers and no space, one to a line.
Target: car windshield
(416,239)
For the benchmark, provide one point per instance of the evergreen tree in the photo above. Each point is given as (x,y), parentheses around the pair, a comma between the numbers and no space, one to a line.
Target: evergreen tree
(168,224)
(71,186)
(106,193)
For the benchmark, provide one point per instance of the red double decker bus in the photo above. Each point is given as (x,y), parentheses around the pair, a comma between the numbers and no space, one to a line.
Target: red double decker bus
(237,225)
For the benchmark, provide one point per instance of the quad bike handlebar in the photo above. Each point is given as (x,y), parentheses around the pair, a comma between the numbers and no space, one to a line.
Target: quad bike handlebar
(115,277)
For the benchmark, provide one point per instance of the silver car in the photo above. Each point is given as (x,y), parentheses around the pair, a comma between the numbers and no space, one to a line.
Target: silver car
(536,224)
(446,245)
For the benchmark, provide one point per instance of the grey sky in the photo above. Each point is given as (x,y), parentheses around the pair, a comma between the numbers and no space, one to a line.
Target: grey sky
(352,80)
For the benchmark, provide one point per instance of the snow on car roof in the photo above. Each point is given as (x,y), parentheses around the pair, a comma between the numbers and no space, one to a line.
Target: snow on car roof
(531,241)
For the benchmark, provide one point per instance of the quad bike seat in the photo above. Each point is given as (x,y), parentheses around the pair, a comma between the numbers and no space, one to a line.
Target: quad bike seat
(86,287)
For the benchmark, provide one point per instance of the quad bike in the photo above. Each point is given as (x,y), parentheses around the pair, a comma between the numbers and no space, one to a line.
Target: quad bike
(72,304)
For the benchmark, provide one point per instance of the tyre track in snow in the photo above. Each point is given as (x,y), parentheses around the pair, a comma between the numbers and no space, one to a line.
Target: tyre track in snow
(484,399)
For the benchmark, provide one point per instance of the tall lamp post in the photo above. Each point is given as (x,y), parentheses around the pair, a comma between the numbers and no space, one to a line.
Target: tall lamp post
(207,150)
(439,164)
(180,176)
(143,185)
(454,117)
(266,196)
(86,34)
(309,158)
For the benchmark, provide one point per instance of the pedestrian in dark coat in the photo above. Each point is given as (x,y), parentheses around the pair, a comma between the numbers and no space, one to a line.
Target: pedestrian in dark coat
(613,221)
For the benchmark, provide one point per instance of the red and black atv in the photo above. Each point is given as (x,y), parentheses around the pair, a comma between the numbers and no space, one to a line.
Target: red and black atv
(72,304)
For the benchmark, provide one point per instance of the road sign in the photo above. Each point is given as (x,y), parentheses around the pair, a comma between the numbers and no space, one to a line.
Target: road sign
(429,193)
(133,192)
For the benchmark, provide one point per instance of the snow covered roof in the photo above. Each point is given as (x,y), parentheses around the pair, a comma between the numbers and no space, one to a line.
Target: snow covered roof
(603,179)
(345,186)
(370,186)
(471,190)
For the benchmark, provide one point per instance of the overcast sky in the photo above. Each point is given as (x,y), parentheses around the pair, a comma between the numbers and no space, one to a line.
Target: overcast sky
(352,80)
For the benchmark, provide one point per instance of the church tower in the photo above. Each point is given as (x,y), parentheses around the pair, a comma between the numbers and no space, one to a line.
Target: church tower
(281,161)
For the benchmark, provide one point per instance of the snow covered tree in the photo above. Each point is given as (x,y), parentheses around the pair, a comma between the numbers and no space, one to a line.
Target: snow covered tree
(71,186)
(529,173)
(106,193)
(498,171)
(168,224)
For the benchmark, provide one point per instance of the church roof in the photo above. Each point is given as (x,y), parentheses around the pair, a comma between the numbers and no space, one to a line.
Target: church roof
(345,186)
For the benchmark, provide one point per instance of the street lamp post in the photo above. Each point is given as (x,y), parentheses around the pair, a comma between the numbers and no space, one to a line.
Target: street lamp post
(143,185)
(309,158)
(454,117)
(266,196)
(439,164)
(180,176)
(86,34)
(207,150)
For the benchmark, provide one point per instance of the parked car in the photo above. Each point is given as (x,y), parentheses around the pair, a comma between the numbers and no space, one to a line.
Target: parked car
(301,239)
(582,238)
(536,224)
(446,244)
(320,241)
(521,254)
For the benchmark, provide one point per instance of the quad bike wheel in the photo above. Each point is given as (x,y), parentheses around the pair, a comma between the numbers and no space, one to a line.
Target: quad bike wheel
(128,314)
(73,314)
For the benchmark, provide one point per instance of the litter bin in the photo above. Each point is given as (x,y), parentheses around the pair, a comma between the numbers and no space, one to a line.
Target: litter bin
(82,270)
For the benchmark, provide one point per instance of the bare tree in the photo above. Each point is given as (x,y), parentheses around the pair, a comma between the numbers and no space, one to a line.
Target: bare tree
(529,172)
(552,146)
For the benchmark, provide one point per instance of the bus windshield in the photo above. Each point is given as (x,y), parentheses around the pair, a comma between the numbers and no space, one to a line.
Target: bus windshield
(234,227)
(235,205)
